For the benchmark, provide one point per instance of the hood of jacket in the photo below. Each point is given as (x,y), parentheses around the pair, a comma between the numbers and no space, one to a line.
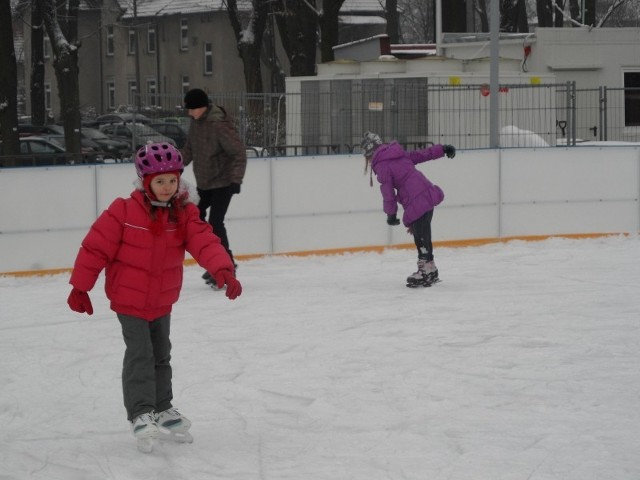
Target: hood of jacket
(386,152)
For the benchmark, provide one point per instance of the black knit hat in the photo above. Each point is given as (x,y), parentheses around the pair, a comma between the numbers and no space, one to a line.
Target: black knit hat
(196,98)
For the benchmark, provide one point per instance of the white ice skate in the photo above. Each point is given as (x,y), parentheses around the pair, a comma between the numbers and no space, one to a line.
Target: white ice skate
(145,429)
(174,426)
(426,275)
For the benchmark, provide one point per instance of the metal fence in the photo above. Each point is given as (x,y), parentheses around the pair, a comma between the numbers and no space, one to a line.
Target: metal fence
(331,119)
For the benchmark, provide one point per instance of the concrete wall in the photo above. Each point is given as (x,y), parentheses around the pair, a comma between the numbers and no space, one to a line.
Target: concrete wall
(294,204)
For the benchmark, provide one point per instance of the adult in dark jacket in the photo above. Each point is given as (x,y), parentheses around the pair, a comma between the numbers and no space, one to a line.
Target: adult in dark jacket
(401,182)
(219,160)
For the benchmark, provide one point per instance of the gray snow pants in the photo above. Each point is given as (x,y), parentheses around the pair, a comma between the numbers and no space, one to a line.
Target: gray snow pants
(146,369)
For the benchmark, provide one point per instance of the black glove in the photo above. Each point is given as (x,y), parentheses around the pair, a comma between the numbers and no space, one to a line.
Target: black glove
(234,188)
(392,220)
(449,150)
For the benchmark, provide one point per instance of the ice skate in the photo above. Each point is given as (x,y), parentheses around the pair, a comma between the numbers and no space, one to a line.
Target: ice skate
(145,429)
(425,276)
(174,426)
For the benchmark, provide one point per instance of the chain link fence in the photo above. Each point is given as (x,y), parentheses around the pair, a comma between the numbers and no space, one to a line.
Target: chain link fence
(416,113)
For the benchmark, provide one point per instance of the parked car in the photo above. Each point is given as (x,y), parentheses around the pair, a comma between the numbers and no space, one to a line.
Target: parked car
(136,134)
(122,118)
(35,151)
(184,121)
(113,147)
(172,130)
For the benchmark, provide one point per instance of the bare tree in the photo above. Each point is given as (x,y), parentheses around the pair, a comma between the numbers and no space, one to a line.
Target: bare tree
(513,16)
(393,23)
(8,83)
(249,40)
(65,63)
(417,21)
(328,21)
(38,113)
(298,24)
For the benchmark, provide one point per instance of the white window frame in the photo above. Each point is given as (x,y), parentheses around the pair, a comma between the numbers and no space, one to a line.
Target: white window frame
(110,41)
(151,38)
(131,44)
(184,81)
(47,96)
(152,91)
(207,67)
(184,34)
(132,91)
(111,95)
(46,47)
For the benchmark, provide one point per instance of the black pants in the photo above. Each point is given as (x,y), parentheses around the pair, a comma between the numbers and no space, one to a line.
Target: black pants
(217,200)
(422,236)
(146,369)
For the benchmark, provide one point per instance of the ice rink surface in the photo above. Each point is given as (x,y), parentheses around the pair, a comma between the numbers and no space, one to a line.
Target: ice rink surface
(523,364)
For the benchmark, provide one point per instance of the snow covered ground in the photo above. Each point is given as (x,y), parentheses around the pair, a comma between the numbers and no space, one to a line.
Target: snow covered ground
(523,364)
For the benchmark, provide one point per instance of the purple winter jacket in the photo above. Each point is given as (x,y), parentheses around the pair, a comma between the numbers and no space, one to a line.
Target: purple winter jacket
(401,182)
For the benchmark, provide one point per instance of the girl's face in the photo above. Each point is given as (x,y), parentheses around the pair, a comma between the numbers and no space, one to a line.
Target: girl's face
(164,186)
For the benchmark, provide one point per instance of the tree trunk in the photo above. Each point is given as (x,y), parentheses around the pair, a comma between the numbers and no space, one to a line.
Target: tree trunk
(329,32)
(298,24)
(513,16)
(65,64)
(454,17)
(249,41)
(393,21)
(8,85)
(38,114)
(558,21)
(544,9)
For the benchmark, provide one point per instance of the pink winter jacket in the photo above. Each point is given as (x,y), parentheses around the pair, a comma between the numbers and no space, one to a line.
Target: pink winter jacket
(144,271)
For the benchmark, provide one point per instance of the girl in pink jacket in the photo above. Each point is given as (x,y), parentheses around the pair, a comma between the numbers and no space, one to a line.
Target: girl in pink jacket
(141,242)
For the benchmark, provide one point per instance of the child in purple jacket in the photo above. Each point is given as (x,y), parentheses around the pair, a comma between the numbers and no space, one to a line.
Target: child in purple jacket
(401,182)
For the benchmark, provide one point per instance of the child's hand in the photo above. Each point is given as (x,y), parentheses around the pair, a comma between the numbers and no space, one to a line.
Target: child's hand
(225,277)
(393,220)
(79,302)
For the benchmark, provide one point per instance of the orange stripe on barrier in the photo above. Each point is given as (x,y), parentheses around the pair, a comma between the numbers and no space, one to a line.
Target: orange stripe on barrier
(473,242)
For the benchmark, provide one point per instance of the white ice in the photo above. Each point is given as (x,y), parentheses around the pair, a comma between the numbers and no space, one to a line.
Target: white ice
(523,364)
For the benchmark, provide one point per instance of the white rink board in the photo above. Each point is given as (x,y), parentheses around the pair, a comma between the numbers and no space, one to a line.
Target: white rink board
(571,174)
(293,204)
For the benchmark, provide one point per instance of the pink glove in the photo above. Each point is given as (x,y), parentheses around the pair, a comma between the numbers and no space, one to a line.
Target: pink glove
(79,302)
(225,277)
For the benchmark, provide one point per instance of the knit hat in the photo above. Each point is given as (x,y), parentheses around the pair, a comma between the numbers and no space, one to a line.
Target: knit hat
(196,98)
(370,141)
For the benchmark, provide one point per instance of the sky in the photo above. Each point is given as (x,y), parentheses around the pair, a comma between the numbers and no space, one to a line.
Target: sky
(522,364)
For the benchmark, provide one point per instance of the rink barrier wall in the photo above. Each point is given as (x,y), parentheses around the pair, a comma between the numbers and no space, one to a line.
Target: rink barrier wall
(324,204)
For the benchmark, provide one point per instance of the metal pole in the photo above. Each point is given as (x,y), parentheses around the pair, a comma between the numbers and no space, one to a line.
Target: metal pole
(494,119)
(438,27)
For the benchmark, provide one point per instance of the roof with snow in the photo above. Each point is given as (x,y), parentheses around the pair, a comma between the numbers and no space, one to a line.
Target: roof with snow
(151,8)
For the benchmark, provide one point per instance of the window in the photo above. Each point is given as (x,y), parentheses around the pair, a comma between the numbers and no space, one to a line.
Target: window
(151,39)
(111,95)
(132,41)
(632,99)
(184,34)
(208,58)
(110,41)
(151,91)
(133,91)
(47,96)
(184,81)
(46,47)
